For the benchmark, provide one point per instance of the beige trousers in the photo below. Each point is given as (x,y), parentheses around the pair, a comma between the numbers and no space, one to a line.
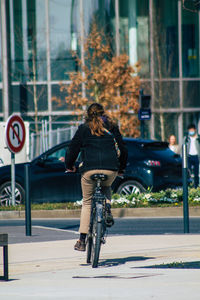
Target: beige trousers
(88,186)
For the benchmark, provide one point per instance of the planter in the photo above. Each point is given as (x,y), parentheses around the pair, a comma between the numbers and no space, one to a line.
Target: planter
(142,212)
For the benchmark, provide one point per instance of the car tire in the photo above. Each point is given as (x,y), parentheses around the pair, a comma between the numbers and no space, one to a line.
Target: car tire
(130,187)
(6,194)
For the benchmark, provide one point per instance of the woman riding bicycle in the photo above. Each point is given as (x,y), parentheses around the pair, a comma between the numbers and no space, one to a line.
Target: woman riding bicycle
(95,140)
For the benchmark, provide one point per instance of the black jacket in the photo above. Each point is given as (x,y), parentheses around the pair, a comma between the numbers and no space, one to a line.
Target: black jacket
(97,152)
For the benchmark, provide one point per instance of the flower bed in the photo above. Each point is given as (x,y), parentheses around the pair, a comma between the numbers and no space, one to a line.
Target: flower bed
(169,197)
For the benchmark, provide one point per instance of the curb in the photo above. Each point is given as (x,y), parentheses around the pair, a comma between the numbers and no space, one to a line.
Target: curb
(141,212)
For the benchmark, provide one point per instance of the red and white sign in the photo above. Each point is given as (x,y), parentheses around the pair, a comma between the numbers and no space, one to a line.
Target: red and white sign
(15,133)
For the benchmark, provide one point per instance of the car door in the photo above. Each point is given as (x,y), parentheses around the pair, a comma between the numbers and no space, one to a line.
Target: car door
(51,183)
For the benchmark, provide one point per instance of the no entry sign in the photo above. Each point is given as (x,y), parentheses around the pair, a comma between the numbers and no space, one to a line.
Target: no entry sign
(15,133)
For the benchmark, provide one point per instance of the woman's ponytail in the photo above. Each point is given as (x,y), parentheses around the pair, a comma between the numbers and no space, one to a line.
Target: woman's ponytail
(94,119)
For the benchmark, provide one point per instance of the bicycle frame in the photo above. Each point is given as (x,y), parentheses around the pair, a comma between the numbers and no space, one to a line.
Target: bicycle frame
(98,201)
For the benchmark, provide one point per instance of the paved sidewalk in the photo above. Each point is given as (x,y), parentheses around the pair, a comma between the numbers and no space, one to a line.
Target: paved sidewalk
(53,270)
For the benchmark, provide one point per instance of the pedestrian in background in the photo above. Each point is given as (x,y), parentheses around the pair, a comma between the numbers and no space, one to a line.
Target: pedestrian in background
(193,149)
(173,144)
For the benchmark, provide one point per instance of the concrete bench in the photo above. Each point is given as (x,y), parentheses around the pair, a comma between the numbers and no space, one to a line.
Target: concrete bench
(4,244)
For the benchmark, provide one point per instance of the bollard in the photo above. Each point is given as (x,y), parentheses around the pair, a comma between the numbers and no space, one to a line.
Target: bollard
(13,177)
(185,188)
(27,201)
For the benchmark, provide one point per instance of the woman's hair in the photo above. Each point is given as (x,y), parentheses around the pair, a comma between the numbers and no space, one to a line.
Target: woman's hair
(172,135)
(96,118)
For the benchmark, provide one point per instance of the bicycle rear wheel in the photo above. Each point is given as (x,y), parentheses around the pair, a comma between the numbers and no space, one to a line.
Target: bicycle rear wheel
(89,248)
(96,242)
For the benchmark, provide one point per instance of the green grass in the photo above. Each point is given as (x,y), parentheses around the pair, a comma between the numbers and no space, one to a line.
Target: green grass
(43,206)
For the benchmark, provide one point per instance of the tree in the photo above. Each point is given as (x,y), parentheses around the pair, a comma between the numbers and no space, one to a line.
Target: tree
(108,80)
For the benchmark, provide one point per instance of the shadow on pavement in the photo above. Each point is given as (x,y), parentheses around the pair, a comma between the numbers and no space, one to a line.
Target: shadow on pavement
(121,261)
(176,265)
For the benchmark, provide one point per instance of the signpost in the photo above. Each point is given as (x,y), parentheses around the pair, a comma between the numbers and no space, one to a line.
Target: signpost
(15,134)
(144,112)
(185,188)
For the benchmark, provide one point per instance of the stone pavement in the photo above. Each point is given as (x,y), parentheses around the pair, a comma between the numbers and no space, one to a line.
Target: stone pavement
(53,270)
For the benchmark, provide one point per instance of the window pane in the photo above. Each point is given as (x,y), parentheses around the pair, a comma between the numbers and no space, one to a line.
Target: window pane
(191,118)
(143,37)
(190,41)
(23,98)
(191,93)
(17,41)
(165,38)
(64,35)
(166,94)
(36,39)
(58,98)
(166,124)
(134,32)
(103,14)
(28,39)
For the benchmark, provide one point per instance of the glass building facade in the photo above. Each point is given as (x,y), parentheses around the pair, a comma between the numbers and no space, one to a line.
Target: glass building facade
(38,37)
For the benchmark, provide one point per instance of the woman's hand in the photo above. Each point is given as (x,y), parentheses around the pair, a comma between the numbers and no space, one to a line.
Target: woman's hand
(73,170)
(120,174)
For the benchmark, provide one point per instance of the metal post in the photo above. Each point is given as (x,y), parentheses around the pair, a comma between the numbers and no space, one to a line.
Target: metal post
(142,129)
(152,69)
(5,259)
(180,54)
(27,201)
(185,188)
(43,136)
(46,135)
(13,177)
(32,154)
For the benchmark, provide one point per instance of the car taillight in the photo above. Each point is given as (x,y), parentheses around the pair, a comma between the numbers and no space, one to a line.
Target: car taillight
(152,163)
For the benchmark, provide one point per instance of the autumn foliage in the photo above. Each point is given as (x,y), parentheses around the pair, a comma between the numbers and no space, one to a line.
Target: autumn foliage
(105,79)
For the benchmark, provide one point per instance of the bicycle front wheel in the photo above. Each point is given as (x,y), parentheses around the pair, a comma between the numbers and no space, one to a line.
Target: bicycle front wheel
(96,242)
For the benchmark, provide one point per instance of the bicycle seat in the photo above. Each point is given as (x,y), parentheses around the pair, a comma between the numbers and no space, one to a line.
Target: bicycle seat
(101,177)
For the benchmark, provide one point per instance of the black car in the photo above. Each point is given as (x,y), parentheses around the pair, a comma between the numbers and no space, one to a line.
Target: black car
(151,164)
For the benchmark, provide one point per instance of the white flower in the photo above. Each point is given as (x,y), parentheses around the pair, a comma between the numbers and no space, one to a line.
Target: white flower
(78,203)
(121,200)
(133,201)
(196,199)
(174,195)
(147,196)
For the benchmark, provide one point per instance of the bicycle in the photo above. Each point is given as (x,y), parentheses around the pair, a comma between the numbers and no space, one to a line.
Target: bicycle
(98,225)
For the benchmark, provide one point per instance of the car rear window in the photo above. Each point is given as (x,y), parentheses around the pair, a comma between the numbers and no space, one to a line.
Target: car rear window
(150,150)
(155,146)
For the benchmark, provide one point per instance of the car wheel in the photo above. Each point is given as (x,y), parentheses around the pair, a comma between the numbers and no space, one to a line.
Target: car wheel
(130,187)
(6,194)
